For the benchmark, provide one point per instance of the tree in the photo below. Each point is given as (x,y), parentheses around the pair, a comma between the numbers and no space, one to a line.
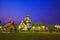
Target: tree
(0,22)
(51,29)
(29,29)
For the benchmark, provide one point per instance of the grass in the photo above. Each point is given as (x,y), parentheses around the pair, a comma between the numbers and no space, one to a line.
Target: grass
(30,36)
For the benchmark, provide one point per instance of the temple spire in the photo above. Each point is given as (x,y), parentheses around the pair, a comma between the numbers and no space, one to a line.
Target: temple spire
(26,23)
(27,14)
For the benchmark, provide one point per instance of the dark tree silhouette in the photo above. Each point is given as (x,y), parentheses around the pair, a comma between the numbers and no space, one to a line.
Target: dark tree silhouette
(29,29)
(0,21)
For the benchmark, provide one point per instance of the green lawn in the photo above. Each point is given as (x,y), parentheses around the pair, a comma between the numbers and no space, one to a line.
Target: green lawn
(30,36)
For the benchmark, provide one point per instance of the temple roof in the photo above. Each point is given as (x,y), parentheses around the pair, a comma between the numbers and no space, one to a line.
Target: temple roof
(8,24)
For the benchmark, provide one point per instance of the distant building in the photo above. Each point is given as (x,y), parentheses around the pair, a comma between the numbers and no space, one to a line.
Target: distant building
(57,28)
(9,27)
(1,28)
(38,27)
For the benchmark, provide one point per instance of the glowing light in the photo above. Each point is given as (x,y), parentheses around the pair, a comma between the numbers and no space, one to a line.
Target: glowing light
(33,27)
(25,28)
(57,26)
(38,28)
(19,27)
(0,26)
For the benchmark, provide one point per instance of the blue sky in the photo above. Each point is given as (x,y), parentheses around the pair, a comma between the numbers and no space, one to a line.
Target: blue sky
(47,11)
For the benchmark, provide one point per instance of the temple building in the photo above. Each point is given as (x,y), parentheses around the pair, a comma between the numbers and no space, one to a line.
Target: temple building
(9,27)
(38,28)
(1,28)
(26,24)
(57,28)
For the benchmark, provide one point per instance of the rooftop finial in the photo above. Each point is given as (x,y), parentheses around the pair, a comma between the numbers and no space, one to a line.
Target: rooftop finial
(27,13)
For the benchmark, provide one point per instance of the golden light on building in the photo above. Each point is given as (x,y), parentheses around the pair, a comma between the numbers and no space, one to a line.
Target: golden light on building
(33,28)
(0,26)
(25,24)
(9,27)
(47,28)
(25,28)
(43,27)
(57,26)
(19,28)
(39,28)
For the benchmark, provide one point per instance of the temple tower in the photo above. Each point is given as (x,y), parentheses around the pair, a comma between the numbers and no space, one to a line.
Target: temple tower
(25,24)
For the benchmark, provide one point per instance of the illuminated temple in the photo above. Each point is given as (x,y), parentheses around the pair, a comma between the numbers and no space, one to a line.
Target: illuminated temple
(26,24)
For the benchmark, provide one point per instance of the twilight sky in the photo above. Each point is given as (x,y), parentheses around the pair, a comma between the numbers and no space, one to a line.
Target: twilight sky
(47,11)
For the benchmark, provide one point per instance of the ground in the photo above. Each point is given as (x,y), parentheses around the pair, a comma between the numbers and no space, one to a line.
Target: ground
(30,36)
